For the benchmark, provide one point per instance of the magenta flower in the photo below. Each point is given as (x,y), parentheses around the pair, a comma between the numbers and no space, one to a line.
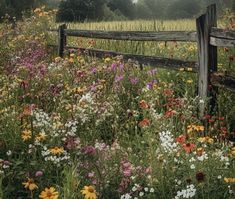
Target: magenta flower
(134,80)
(119,78)
(114,66)
(94,70)
(88,150)
(39,173)
(152,72)
(151,84)
(126,168)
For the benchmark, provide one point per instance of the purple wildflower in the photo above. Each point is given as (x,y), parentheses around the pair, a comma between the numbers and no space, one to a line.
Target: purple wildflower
(119,78)
(88,150)
(39,173)
(151,84)
(134,80)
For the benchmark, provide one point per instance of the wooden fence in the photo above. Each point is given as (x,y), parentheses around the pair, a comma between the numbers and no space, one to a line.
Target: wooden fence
(207,36)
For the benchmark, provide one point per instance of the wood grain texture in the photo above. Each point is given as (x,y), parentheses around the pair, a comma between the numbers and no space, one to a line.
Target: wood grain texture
(221,42)
(223,81)
(222,33)
(189,36)
(175,64)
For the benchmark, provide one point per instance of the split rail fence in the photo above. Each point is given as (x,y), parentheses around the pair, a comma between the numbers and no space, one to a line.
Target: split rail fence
(207,36)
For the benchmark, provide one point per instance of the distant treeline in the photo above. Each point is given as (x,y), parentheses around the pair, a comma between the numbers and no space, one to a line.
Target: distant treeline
(96,10)
(80,10)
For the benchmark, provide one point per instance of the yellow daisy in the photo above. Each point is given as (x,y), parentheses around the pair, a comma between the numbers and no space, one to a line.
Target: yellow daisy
(89,192)
(26,135)
(40,137)
(30,184)
(49,193)
(56,150)
(229,180)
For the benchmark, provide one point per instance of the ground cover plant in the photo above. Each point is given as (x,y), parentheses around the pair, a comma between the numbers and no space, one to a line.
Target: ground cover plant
(81,127)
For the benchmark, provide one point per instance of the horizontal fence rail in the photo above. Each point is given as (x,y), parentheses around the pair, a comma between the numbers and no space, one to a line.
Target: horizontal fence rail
(223,81)
(160,62)
(185,36)
(135,35)
(222,38)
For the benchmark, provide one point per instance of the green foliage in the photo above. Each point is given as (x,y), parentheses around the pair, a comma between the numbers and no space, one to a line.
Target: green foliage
(126,7)
(183,9)
(15,8)
(79,10)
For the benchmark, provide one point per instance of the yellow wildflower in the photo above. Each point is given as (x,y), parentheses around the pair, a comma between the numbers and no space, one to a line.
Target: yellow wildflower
(229,180)
(107,60)
(58,59)
(206,139)
(26,135)
(193,128)
(233,151)
(89,192)
(30,184)
(49,193)
(37,10)
(189,69)
(71,60)
(56,150)
(40,137)
(181,69)
(189,81)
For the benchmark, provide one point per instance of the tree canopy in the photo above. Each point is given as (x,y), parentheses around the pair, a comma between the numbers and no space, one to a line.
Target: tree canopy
(16,8)
(80,10)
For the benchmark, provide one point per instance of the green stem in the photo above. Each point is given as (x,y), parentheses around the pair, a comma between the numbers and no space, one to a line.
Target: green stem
(31,194)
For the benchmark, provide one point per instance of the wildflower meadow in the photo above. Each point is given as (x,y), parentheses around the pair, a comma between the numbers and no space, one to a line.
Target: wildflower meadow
(80,127)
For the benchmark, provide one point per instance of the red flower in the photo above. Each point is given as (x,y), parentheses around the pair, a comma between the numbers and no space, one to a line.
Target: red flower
(144,122)
(189,147)
(231,58)
(143,104)
(221,118)
(181,139)
(168,92)
(200,176)
(170,113)
(207,117)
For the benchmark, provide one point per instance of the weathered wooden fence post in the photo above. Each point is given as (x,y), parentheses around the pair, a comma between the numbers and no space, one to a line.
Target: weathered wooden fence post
(207,59)
(61,40)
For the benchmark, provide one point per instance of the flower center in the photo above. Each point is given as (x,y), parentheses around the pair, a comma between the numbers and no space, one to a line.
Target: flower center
(91,189)
(188,144)
(49,194)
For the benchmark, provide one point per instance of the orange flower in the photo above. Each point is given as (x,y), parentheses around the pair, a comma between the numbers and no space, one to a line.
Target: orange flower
(189,147)
(30,184)
(200,151)
(181,139)
(27,110)
(56,150)
(143,104)
(144,122)
(170,113)
(49,193)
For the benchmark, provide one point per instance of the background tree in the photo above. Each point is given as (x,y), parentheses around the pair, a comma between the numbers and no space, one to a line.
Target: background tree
(142,10)
(126,7)
(80,10)
(15,8)
(183,9)
(233,6)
